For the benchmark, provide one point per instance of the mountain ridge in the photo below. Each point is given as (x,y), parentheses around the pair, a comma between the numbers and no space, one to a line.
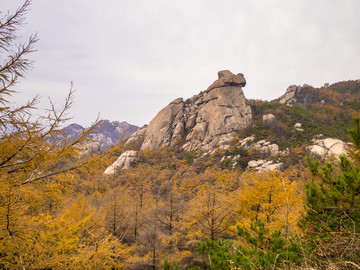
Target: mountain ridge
(106,134)
(302,116)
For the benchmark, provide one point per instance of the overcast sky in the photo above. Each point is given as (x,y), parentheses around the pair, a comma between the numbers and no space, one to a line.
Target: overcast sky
(129,59)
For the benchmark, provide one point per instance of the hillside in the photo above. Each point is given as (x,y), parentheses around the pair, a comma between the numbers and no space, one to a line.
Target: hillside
(214,181)
(315,119)
(328,111)
(259,173)
(224,174)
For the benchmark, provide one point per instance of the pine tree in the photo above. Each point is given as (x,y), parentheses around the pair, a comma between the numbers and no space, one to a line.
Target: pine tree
(259,249)
(332,219)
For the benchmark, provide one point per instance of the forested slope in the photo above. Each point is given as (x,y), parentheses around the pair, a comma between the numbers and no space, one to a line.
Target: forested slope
(177,209)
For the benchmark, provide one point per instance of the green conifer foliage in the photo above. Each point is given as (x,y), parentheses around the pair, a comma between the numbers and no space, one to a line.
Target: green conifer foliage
(354,133)
(332,219)
(257,249)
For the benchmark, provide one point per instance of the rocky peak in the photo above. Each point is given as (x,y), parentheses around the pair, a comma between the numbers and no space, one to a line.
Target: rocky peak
(105,135)
(203,122)
(289,96)
(73,129)
(115,130)
(227,78)
(109,133)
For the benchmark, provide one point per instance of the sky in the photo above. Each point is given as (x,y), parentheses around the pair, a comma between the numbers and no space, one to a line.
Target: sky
(129,59)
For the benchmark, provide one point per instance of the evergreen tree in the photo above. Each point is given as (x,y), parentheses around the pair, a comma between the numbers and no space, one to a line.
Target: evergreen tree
(332,218)
(259,249)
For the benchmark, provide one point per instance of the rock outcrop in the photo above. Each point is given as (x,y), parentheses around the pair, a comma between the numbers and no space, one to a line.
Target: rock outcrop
(262,165)
(227,78)
(205,121)
(137,138)
(267,149)
(289,96)
(298,127)
(268,118)
(326,147)
(123,162)
(263,147)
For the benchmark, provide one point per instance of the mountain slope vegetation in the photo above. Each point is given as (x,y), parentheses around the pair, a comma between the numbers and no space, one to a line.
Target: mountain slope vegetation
(175,209)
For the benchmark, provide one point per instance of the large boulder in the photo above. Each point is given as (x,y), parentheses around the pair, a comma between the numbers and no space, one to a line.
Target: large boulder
(205,121)
(227,78)
(268,118)
(326,147)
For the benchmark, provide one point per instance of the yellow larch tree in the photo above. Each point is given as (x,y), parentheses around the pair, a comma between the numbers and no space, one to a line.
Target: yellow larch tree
(44,221)
(269,197)
(213,209)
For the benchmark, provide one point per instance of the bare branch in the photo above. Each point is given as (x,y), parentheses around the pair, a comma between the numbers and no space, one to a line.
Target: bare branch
(10,23)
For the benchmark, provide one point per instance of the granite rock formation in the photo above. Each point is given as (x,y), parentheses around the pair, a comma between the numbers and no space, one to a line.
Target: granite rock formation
(205,121)
(137,138)
(326,147)
(123,162)
(268,118)
(262,165)
(263,147)
(289,96)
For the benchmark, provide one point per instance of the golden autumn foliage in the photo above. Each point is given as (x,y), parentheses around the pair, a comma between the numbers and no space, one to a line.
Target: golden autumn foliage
(45,221)
(58,210)
(272,198)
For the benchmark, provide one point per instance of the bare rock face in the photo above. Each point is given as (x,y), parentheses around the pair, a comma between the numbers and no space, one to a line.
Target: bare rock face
(289,96)
(137,138)
(164,126)
(205,121)
(123,162)
(263,165)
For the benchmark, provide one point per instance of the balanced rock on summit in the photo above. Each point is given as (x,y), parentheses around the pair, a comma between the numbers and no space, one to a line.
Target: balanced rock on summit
(203,122)
(227,78)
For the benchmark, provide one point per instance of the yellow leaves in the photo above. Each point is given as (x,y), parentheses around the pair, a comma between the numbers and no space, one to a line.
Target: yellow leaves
(269,197)
(212,211)
(147,154)
(199,234)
